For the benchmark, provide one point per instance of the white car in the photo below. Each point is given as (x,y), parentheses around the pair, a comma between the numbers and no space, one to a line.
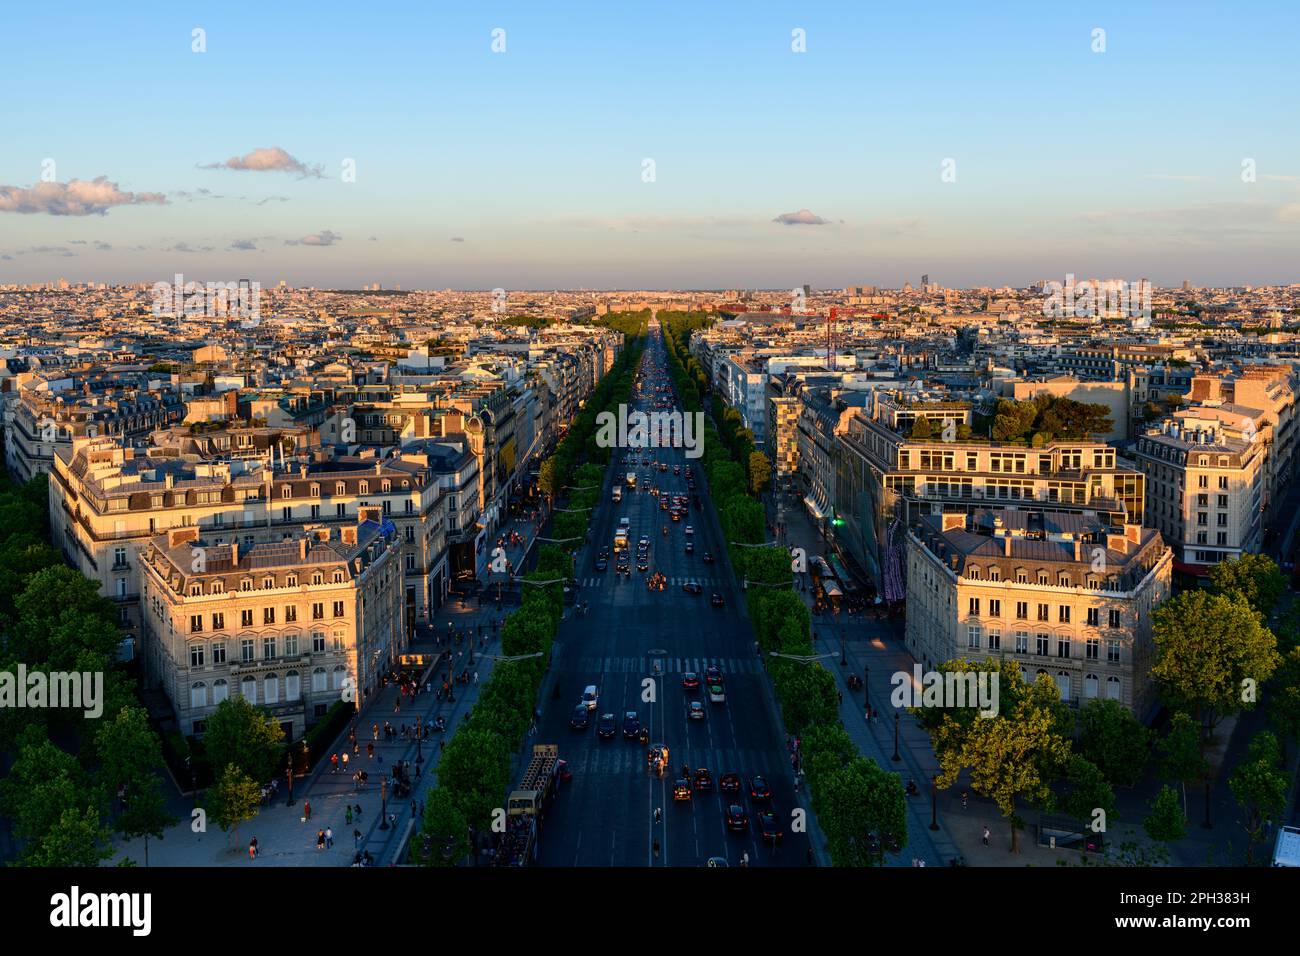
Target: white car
(689,530)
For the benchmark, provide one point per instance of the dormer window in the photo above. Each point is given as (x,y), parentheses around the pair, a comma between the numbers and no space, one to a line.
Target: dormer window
(291,581)
(315,490)
(218,586)
(286,491)
(196,590)
(1042,578)
(317,578)
(1204,461)
(340,488)
(268,582)
(338,577)
(385,485)
(246,584)
(364,488)
(995,573)
(1063,580)
(973,572)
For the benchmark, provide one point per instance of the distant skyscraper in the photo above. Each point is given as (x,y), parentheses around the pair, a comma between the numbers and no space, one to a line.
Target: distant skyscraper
(925,280)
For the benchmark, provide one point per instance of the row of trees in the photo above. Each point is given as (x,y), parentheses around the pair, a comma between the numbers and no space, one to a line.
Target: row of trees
(474,769)
(75,778)
(852,796)
(1212,650)
(1046,418)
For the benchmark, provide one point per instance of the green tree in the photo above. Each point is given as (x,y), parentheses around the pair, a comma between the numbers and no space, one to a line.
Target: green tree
(921,429)
(1088,790)
(444,829)
(1166,822)
(42,784)
(857,799)
(1113,739)
(144,813)
(1180,753)
(1208,648)
(76,839)
(1011,756)
(1283,700)
(233,799)
(760,472)
(1260,787)
(246,736)
(1256,577)
(475,767)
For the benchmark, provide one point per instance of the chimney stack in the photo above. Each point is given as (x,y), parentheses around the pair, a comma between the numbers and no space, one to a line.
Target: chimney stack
(234,554)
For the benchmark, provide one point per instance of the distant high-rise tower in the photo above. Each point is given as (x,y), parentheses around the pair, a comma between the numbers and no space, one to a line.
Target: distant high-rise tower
(925,280)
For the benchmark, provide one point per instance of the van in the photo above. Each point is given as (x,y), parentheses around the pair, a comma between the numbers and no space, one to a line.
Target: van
(590,696)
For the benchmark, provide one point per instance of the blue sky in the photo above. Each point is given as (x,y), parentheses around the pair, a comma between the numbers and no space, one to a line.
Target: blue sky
(524,169)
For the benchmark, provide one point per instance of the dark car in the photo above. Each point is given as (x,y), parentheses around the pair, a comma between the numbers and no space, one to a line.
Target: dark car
(703,779)
(690,681)
(643,563)
(682,789)
(707,558)
(631,725)
(690,547)
(716,600)
(601,564)
(770,825)
(759,791)
(713,674)
(692,587)
(581,717)
(606,728)
(663,504)
(603,553)
(729,783)
(737,819)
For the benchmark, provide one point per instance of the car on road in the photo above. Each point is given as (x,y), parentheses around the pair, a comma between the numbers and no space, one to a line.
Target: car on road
(603,553)
(682,790)
(606,728)
(716,861)
(689,531)
(675,514)
(717,694)
(602,565)
(643,542)
(590,696)
(692,587)
(690,681)
(695,710)
(703,779)
(729,783)
(769,825)
(759,791)
(713,674)
(581,717)
(737,819)
(677,469)
(663,466)
(643,564)
(690,547)
(663,504)
(716,600)
(707,558)
(631,725)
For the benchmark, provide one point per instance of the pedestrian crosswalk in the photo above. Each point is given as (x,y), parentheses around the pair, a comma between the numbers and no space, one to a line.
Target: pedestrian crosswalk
(670,665)
(709,584)
(620,757)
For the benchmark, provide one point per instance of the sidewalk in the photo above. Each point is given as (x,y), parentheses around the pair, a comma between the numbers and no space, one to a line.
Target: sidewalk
(284,837)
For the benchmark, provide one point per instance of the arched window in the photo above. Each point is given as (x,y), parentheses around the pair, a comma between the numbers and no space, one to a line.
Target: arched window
(318,679)
(363,488)
(340,488)
(1112,688)
(292,688)
(271,689)
(248,687)
(1063,684)
(1090,686)
(199,694)
(336,678)
(220,690)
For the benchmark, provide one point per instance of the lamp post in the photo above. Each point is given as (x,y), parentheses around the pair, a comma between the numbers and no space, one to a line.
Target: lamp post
(934,802)
(419,742)
(194,790)
(383,803)
(896,757)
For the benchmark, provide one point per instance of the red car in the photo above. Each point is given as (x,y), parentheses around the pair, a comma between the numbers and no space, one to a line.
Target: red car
(690,681)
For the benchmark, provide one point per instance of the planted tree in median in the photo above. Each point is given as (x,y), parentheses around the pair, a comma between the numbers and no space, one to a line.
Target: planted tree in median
(248,737)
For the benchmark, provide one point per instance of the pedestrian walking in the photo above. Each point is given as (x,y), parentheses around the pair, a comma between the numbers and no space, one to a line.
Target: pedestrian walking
(374,730)
(356,839)
(656,849)
(370,751)
(347,817)
(965,798)
(345,761)
(476,677)
(659,815)
(320,839)
(252,849)
(986,836)
(334,763)
(329,838)
(306,810)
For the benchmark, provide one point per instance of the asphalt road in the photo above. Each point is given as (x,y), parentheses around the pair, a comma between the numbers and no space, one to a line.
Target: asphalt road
(635,645)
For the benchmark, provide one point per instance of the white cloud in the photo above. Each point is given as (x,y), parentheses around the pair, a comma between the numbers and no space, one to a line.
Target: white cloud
(323,238)
(269,159)
(803,217)
(73,198)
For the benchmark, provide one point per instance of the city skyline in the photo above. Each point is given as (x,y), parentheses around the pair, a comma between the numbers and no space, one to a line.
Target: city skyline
(982,151)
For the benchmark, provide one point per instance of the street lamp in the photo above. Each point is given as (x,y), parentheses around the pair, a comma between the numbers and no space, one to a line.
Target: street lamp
(934,802)
(419,742)
(896,757)
(383,803)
